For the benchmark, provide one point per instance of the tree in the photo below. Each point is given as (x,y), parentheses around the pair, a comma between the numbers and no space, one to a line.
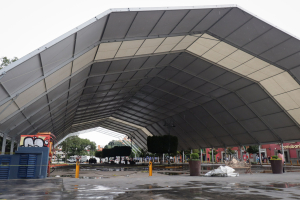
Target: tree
(6,61)
(92,148)
(252,149)
(230,151)
(144,153)
(76,146)
(215,152)
(115,143)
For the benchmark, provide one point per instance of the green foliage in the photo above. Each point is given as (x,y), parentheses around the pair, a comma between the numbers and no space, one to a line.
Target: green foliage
(215,152)
(114,143)
(98,154)
(160,144)
(144,153)
(6,61)
(229,151)
(116,151)
(275,158)
(196,151)
(76,146)
(195,156)
(253,149)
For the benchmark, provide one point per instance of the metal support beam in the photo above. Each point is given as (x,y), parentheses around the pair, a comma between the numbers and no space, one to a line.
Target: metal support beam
(282,151)
(201,155)
(12,144)
(212,157)
(241,153)
(220,124)
(3,144)
(259,154)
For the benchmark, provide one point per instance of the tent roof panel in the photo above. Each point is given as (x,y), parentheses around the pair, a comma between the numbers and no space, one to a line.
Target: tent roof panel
(192,65)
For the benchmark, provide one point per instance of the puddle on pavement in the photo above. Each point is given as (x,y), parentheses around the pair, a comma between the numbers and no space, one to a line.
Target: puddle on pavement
(101,187)
(148,186)
(188,193)
(81,177)
(171,173)
(57,188)
(283,185)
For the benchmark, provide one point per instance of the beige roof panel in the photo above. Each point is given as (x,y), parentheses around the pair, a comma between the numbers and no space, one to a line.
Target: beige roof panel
(30,94)
(129,48)
(83,60)
(58,76)
(149,46)
(107,50)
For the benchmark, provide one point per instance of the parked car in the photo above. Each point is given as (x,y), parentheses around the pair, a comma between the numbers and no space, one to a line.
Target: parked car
(71,160)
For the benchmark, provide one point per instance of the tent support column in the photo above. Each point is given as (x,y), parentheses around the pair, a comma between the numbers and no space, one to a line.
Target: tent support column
(3,144)
(12,144)
(201,155)
(241,153)
(259,151)
(212,155)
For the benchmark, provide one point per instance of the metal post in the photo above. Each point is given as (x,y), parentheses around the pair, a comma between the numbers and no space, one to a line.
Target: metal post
(212,157)
(169,149)
(182,156)
(12,142)
(225,154)
(3,144)
(282,151)
(259,155)
(241,153)
(77,169)
(150,168)
(163,158)
(201,156)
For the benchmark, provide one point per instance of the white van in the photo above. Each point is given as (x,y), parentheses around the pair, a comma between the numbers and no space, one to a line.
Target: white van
(84,159)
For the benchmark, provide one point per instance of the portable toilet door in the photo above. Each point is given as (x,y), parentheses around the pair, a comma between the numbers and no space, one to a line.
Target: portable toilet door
(27,166)
(4,166)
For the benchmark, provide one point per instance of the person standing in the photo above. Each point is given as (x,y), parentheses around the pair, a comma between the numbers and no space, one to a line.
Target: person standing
(280,155)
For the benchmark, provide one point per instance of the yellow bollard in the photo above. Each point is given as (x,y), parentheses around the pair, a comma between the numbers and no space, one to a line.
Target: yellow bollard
(297,162)
(77,169)
(150,168)
(291,163)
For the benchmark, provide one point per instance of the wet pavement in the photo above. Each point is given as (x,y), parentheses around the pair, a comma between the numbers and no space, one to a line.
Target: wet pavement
(160,186)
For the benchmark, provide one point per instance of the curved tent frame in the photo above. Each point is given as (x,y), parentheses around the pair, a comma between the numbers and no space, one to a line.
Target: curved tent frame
(223,76)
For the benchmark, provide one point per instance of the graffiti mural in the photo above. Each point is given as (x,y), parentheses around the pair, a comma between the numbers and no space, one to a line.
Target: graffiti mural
(35,141)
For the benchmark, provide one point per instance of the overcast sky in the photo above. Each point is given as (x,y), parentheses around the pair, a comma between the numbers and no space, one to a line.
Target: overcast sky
(100,139)
(26,25)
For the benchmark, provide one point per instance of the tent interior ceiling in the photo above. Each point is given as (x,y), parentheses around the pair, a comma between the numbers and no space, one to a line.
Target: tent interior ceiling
(221,75)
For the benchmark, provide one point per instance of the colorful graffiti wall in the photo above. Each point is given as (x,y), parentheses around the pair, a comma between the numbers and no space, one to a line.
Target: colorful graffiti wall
(35,141)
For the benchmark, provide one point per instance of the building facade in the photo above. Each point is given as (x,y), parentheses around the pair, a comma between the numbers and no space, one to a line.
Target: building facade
(291,153)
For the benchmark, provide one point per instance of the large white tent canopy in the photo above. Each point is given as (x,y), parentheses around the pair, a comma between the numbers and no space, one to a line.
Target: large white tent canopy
(223,76)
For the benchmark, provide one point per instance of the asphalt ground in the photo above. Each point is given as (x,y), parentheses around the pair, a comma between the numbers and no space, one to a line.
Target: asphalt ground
(104,182)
